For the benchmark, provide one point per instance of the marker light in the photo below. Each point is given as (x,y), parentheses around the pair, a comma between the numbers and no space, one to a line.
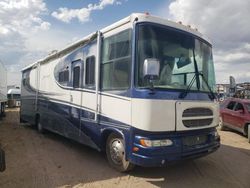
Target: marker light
(155,143)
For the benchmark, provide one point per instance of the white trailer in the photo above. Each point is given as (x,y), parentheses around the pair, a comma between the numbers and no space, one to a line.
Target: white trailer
(141,89)
(3,89)
(14,97)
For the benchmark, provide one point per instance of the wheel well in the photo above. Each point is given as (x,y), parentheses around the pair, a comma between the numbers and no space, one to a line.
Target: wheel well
(106,134)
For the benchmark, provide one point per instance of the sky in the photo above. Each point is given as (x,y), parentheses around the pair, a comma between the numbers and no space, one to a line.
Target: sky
(31,29)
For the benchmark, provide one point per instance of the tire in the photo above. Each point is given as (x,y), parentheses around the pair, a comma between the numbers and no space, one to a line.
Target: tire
(116,155)
(2,160)
(221,126)
(248,133)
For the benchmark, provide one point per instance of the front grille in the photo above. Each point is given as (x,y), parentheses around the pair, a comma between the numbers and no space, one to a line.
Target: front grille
(194,112)
(197,122)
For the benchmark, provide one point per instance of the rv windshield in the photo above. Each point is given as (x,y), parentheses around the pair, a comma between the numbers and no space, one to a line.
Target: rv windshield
(182,57)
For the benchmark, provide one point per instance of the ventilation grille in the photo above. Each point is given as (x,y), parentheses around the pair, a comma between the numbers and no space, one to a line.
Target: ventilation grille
(197,122)
(196,112)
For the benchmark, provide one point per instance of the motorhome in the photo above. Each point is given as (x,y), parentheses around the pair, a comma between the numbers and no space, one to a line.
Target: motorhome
(14,97)
(142,90)
(3,89)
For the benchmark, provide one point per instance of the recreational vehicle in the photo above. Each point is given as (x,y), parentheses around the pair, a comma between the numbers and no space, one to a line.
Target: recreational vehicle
(141,89)
(3,89)
(14,97)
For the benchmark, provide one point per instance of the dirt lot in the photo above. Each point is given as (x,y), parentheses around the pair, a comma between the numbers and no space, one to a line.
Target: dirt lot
(35,160)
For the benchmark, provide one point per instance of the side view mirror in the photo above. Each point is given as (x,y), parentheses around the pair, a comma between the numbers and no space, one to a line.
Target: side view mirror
(151,69)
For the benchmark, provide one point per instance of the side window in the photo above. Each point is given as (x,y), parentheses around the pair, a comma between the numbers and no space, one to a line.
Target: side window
(25,79)
(63,76)
(239,106)
(116,62)
(231,105)
(76,77)
(90,72)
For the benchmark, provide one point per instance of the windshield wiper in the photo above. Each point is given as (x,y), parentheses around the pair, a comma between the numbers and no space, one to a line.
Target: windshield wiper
(197,74)
(195,77)
(211,95)
(185,92)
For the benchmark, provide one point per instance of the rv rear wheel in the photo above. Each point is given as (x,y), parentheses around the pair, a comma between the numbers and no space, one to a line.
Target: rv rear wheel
(115,150)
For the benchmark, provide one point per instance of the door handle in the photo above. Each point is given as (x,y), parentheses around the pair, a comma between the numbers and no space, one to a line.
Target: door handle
(71,98)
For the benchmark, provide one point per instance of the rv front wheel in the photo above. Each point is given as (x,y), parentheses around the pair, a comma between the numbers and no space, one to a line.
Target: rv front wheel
(115,150)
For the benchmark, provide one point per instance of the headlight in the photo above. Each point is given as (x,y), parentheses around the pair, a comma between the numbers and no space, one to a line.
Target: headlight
(155,143)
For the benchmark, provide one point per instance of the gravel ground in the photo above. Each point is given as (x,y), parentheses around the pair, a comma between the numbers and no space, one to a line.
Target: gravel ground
(49,160)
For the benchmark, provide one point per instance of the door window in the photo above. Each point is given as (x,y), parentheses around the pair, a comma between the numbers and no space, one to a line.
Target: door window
(231,105)
(239,106)
(76,77)
(116,62)
(90,72)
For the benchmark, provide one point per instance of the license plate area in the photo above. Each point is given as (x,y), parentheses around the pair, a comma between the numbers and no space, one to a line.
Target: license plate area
(195,140)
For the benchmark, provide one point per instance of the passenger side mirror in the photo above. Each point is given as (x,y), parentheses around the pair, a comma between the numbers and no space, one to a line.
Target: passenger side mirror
(151,69)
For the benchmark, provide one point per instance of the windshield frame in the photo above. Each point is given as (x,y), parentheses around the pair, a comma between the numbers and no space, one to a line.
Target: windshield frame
(185,33)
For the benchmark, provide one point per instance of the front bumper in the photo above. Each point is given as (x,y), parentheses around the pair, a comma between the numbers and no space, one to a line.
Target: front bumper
(161,156)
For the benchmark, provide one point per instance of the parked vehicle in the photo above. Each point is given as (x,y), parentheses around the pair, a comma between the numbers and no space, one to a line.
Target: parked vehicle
(3,89)
(141,89)
(235,114)
(14,97)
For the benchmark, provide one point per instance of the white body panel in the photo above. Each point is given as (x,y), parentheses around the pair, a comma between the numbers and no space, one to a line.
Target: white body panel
(117,108)
(183,105)
(153,115)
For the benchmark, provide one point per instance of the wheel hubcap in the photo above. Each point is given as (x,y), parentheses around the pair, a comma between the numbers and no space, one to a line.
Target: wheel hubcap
(117,151)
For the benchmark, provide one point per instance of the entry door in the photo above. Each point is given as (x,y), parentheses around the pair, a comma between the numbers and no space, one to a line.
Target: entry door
(76,97)
(228,112)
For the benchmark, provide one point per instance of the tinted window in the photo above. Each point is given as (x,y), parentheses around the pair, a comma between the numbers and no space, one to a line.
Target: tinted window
(76,77)
(239,106)
(116,61)
(90,71)
(64,76)
(231,105)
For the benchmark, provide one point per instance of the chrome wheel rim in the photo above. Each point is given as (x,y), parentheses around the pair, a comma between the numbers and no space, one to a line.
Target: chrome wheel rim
(117,151)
